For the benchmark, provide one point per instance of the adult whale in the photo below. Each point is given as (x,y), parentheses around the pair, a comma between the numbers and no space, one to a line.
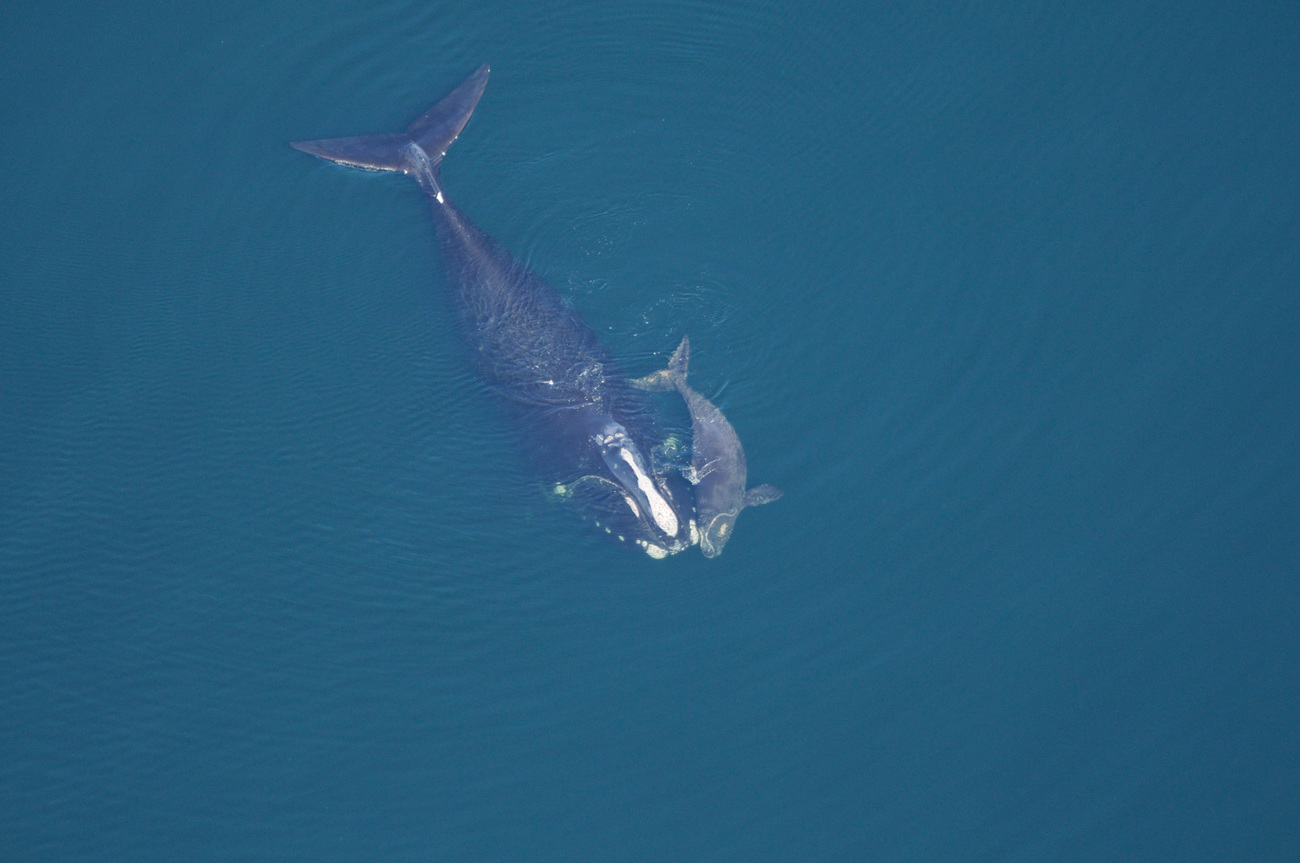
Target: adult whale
(588,428)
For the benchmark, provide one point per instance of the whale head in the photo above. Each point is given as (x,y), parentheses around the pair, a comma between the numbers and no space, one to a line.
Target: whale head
(657,519)
(715,530)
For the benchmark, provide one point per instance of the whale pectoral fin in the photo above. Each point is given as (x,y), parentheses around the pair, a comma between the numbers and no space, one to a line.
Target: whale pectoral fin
(660,381)
(589,481)
(695,474)
(761,494)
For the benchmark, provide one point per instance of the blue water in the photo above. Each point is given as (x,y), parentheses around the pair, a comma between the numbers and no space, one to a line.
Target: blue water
(1005,298)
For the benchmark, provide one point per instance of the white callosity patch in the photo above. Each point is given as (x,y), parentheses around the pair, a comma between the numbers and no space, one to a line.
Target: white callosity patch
(658,552)
(659,509)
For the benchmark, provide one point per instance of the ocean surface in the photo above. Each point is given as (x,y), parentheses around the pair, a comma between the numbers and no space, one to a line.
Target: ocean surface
(1006,298)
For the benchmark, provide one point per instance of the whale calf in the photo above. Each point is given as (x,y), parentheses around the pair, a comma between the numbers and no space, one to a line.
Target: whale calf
(717,459)
(587,428)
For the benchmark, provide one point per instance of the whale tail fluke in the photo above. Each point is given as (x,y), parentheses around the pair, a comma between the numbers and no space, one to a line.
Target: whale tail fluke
(438,127)
(681,358)
(371,152)
(431,133)
(667,379)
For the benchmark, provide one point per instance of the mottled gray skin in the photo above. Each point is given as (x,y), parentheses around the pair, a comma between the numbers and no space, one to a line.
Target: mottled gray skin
(586,426)
(718,468)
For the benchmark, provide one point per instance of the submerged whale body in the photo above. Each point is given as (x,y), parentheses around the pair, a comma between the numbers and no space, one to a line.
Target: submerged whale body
(589,430)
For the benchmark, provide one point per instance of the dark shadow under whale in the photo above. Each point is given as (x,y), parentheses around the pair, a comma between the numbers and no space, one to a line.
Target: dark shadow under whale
(589,430)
